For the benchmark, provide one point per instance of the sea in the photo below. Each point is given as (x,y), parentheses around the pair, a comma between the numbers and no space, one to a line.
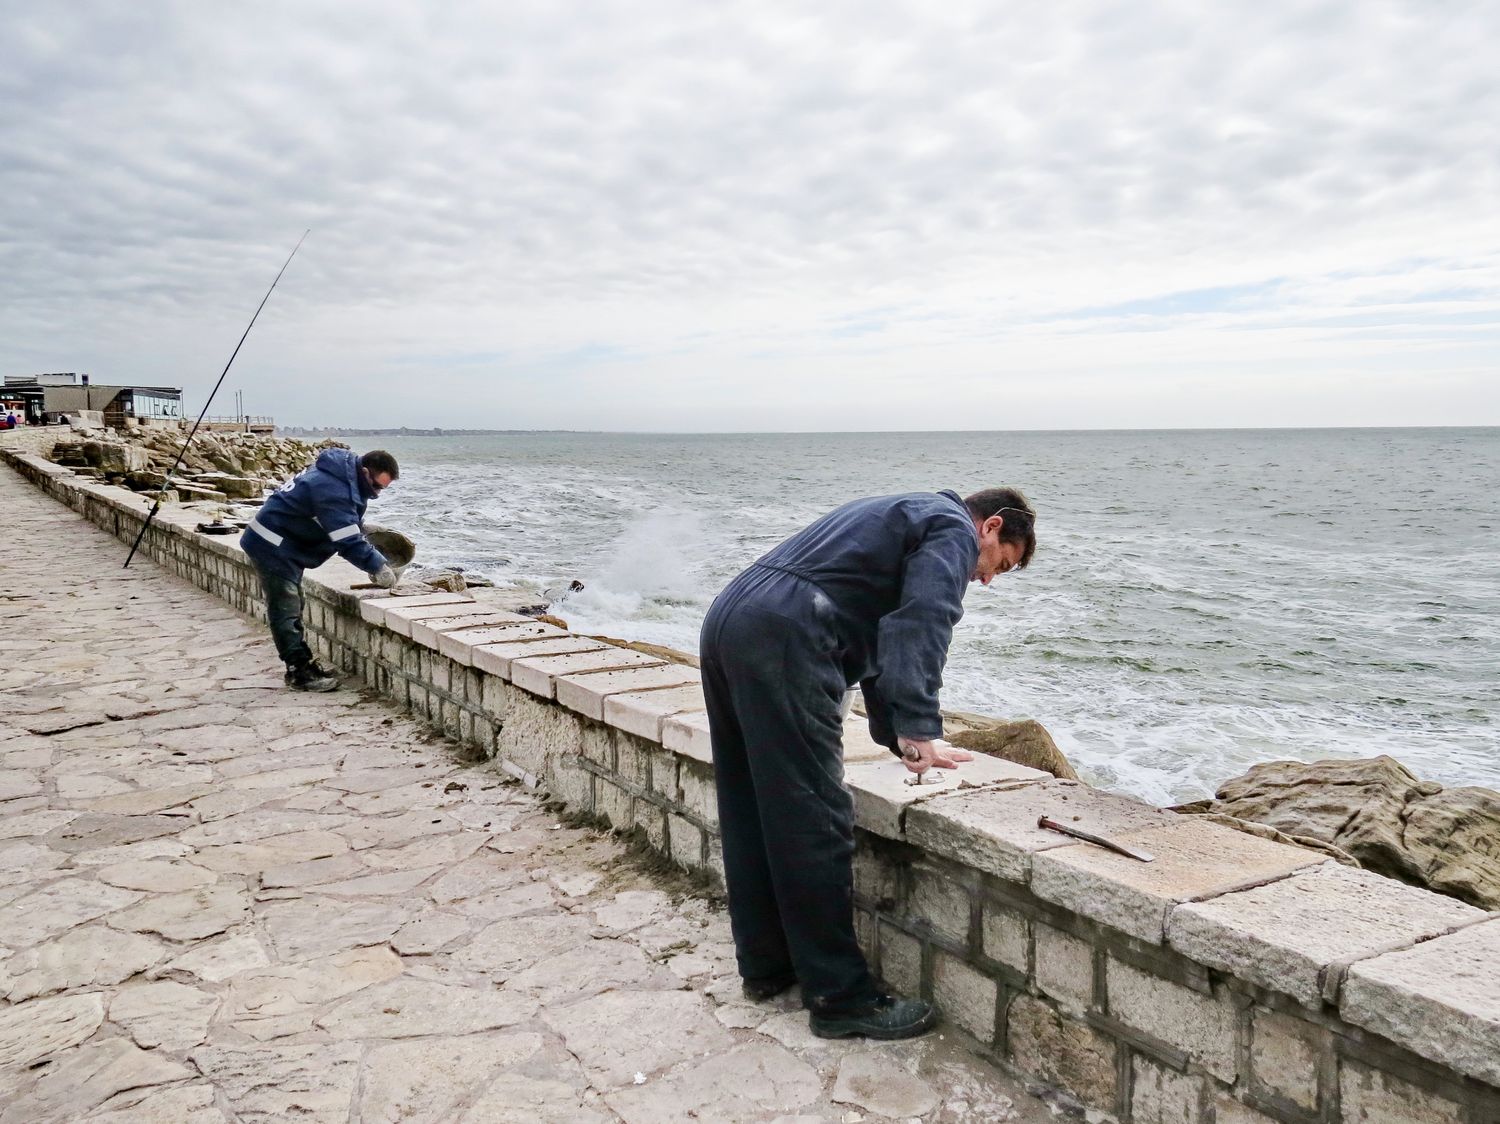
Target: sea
(1200,601)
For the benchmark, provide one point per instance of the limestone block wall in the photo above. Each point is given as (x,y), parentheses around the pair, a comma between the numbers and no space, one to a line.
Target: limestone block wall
(1230,981)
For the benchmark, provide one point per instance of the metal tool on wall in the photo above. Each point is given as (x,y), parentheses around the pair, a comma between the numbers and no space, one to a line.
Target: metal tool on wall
(1097,840)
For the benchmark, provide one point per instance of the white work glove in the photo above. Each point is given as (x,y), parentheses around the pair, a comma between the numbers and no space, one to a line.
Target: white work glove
(385,577)
(919,756)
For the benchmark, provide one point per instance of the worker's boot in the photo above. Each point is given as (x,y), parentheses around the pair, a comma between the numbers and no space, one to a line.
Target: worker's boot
(886,1016)
(310,676)
(768,987)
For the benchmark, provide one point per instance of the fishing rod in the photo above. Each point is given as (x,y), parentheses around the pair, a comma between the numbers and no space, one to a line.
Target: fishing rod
(155,507)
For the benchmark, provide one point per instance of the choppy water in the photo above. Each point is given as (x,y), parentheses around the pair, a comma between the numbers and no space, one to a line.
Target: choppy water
(1199,601)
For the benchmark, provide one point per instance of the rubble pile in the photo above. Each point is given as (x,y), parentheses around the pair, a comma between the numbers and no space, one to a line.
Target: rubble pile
(218,466)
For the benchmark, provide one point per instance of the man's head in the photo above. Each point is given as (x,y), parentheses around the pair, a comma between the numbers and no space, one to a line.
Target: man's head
(378,469)
(1006,523)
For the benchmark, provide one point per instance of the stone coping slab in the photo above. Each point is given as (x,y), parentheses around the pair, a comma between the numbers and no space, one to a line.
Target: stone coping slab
(882,797)
(539,674)
(1440,999)
(1193,859)
(996,831)
(459,644)
(373,609)
(859,746)
(400,618)
(586,693)
(429,632)
(496,659)
(687,734)
(1296,935)
(643,713)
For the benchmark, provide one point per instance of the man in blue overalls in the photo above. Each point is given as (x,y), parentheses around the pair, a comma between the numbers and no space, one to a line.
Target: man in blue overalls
(868,594)
(316,515)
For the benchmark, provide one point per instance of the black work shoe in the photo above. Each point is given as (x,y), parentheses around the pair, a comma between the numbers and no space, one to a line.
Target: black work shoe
(310,677)
(768,987)
(886,1017)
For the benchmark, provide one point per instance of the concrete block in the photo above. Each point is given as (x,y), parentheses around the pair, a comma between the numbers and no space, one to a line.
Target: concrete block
(1064,969)
(695,791)
(643,713)
(459,644)
(882,797)
(571,783)
(429,632)
(1284,1055)
(1227,1110)
(1369,1096)
(875,878)
(613,803)
(687,734)
(535,732)
(652,820)
(900,960)
(1201,1026)
(586,692)
(1003,935)
(1289,935)
(685,840)
(1063,1051)
(599,744)
(539,674)
(1162,1096)
(1194,859)
(495,659)
(939,903)
(1440,999)
(965,995)
(399,615)
(633,761)
(995,830)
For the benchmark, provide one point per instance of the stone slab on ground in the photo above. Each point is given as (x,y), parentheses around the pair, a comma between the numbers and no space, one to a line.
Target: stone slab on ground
(1287,934)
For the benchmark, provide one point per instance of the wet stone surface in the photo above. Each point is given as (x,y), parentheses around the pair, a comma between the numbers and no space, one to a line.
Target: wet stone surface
(224,902)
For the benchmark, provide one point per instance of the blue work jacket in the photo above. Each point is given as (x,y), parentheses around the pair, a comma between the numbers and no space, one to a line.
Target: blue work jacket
(893,571)
(314,516)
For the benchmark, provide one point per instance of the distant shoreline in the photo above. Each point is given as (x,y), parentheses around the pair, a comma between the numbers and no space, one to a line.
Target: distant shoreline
(442,431)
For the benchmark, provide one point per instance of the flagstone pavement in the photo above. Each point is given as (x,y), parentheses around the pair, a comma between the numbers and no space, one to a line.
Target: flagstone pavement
(221,901)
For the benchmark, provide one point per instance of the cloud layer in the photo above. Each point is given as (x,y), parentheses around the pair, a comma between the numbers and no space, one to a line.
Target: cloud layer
(759,216)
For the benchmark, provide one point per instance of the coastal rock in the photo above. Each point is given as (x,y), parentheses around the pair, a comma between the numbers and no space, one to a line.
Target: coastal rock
(1026,742)
(1377,812)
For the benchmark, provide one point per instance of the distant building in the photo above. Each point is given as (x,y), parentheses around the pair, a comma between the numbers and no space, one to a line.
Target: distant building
(48,397)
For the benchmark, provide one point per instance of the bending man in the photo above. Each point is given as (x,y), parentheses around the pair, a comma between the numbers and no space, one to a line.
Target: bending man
(316,515)
(868,594)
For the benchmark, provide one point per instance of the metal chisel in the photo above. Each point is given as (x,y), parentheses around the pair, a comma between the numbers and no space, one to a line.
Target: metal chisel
(1098,840)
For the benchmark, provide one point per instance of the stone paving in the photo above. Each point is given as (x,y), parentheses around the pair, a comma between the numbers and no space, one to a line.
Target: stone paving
(220,901)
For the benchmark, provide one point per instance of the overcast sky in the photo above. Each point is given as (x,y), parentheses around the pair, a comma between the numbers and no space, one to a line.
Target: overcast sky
(762,216)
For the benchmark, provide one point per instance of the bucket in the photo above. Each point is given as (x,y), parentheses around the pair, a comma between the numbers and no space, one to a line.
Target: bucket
(397,548)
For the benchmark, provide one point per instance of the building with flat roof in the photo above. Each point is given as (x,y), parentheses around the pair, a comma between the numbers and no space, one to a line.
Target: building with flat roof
(48,397)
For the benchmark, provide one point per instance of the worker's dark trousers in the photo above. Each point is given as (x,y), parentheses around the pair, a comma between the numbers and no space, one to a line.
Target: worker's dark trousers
(284,612)
(773,687)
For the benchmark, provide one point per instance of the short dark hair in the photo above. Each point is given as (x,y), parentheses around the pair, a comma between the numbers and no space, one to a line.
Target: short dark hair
(1015,509)
(378,461)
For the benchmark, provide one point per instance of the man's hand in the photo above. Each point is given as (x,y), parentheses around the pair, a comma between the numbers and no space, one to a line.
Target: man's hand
(385,577)
(919,756)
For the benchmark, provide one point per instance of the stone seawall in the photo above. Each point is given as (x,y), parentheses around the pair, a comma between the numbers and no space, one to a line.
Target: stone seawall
(1231,981)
